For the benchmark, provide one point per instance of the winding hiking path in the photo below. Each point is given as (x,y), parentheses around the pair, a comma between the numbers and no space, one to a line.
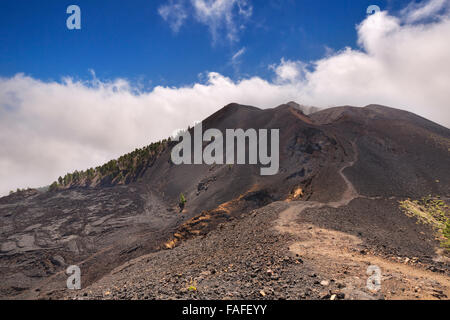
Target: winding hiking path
(286,220)
(338,255)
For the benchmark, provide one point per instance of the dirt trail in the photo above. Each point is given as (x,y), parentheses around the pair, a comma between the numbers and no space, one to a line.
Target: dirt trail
(286,221)
(338,255)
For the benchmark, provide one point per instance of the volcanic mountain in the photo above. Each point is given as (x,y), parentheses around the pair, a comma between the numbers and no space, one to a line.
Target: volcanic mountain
(356,186)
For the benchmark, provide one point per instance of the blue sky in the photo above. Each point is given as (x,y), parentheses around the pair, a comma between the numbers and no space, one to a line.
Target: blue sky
(130,39)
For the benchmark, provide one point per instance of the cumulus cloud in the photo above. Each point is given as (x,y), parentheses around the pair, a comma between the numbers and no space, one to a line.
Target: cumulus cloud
(289,71)
(218,15)
(50,128)
(403,65)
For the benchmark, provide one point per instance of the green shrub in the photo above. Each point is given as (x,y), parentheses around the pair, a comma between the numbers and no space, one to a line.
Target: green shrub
(182,201)
(431,211)
(446,234)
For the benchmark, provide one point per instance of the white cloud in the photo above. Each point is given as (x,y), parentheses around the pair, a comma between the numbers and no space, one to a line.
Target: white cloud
(237,55)
(218,15)
(401,65)
(174,13)
(424,10)
(289,71)
(50,128)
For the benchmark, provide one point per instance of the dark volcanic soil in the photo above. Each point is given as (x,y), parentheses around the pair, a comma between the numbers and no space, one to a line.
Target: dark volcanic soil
(98,229)
(309,232)
(237,261)
(249,258)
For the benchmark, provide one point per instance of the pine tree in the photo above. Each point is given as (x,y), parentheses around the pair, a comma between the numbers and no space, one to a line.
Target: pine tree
(53,186)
